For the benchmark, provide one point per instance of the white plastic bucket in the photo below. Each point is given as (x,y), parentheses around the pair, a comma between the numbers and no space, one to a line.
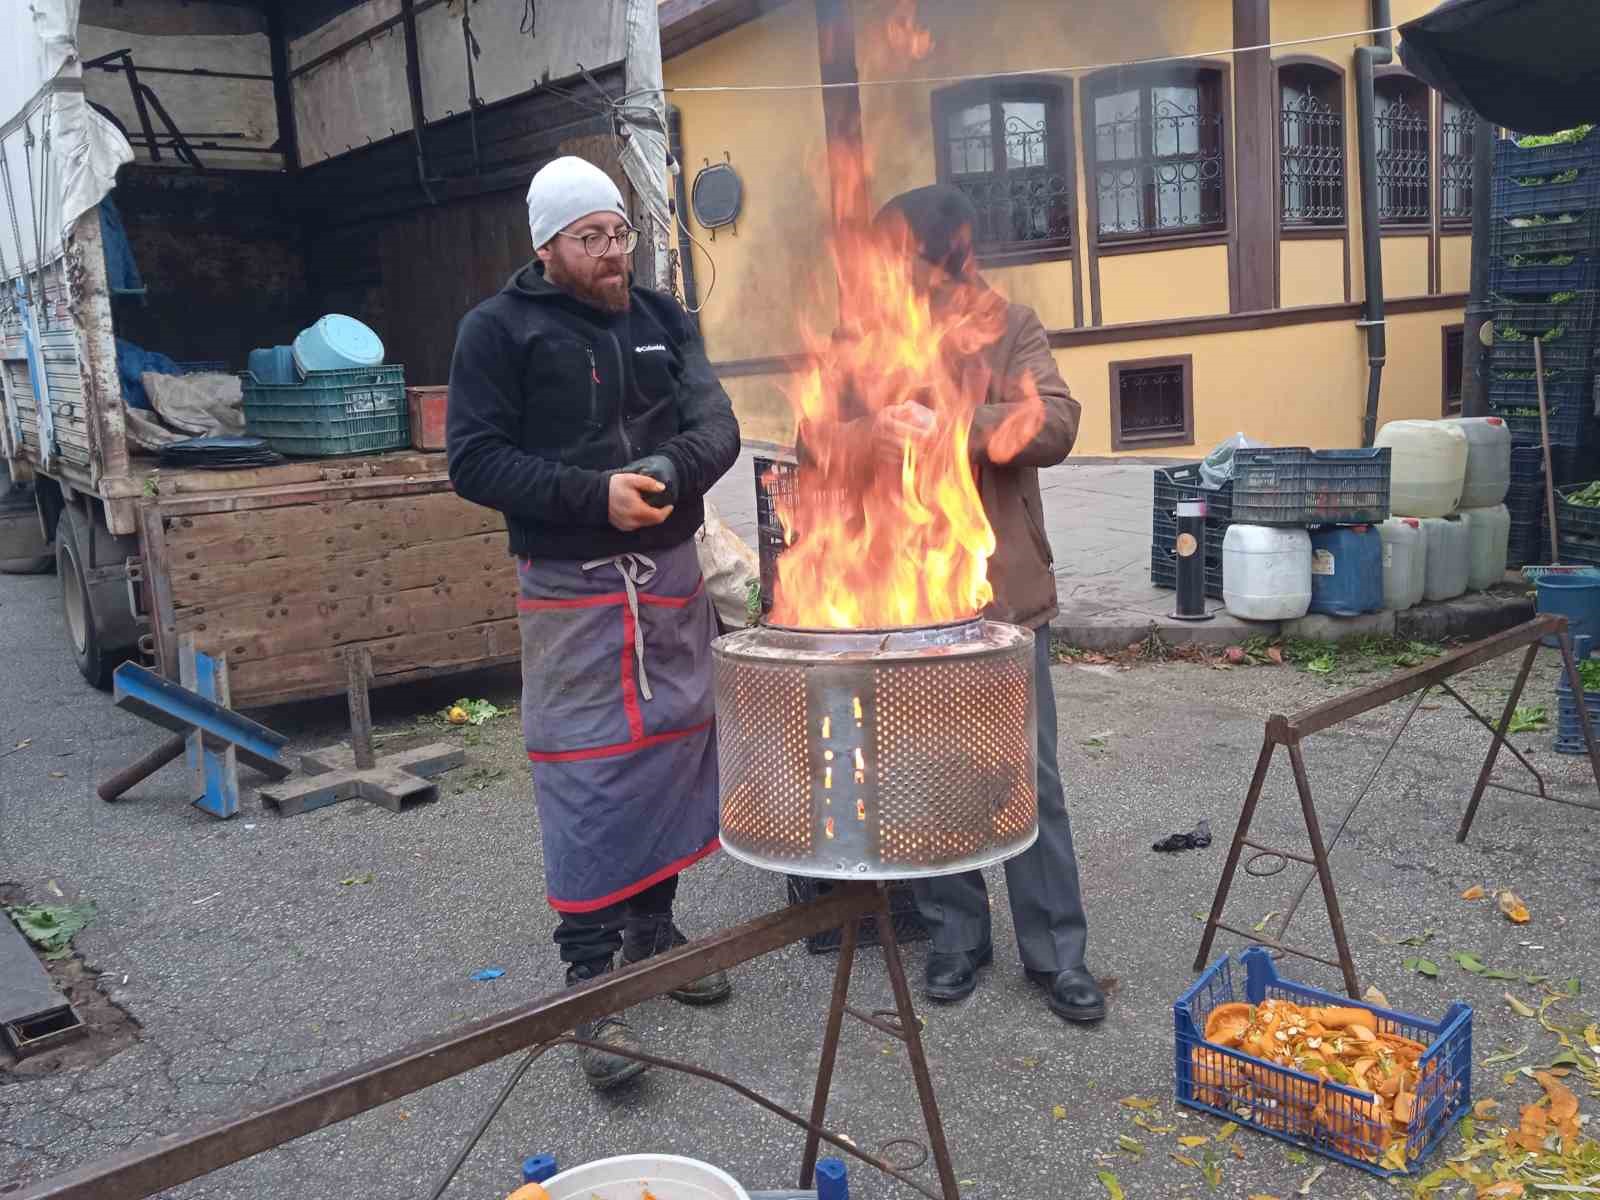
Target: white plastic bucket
(629,1176)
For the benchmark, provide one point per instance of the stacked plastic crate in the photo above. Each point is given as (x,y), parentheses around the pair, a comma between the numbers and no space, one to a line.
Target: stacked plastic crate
(1546,265)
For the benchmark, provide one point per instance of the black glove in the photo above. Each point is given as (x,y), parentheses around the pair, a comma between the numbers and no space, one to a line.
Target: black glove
(658,467)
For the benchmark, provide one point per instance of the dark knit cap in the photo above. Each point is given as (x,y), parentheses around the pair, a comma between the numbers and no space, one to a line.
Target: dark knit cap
(933,218)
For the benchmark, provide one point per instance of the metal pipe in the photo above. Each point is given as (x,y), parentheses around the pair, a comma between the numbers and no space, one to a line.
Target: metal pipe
(691,288)
(408,11)
(1474,353)
(365,35)
(282,90)
(1372,318)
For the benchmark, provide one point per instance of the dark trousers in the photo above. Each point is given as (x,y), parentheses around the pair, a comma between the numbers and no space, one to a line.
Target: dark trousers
(1046,908)
(593,938)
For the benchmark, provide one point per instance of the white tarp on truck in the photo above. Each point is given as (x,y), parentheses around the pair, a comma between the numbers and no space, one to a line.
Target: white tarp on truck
(58,156)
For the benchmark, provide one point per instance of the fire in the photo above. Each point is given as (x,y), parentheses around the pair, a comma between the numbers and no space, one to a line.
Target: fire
(885,526)
(905,34)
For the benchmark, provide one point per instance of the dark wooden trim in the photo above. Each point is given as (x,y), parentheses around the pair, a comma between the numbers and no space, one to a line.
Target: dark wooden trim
(1255,146)
(841,106)
(1349,294)
(1180,241)
(1445,359)
(1058,98)
(1186,438)
(686,24)
(1144,331)
(1389,231)
(1308,60)
(1314,233)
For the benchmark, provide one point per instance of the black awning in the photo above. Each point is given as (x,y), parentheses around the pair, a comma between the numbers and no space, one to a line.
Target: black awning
(1532,66)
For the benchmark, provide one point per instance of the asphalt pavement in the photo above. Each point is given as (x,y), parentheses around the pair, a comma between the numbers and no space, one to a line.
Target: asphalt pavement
(262,953)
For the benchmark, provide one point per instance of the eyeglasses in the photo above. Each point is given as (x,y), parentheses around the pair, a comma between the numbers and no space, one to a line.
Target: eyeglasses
(598,245)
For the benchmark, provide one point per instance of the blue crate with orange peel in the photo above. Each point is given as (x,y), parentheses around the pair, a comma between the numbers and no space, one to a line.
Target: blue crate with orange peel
(1363,1085)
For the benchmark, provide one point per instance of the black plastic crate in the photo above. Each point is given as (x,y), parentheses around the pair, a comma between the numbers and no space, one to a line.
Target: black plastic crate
(1512,161)
(1569,425)
(1555,235)
(908,925)
(1536,314)
(1536,273)
(1164,571)
(1528,544)
(1576,518)
(1186,483)
(1164,533)
(1295,485)
(1560,388)
(774,477)
(1510,198)
(1570,352)
(1567,465)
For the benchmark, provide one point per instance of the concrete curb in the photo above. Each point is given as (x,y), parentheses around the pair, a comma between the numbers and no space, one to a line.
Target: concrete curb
(1469,617)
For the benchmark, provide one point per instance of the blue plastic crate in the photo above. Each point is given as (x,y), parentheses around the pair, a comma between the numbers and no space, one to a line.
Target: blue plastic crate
(1525,274)
(1570,425)
(331,412)
(1283,1102)
(1561,388)
(1559,233)
(1512,160)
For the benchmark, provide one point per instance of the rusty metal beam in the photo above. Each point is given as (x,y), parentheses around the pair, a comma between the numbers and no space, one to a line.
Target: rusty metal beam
(177,1158)
(1324,716)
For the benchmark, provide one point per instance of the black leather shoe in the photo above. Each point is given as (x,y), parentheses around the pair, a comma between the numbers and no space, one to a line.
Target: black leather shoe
(645,937)
(602,1069)
(1072,995)
(954,977)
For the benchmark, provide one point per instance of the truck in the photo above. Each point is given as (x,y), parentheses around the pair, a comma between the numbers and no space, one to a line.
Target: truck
(201,178)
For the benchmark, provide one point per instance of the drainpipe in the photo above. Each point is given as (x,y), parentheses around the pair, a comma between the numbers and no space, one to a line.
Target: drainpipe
(691,290)
(1475,354)
(1367,59)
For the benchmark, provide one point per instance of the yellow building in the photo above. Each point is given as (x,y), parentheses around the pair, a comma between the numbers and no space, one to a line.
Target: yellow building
(1189,231)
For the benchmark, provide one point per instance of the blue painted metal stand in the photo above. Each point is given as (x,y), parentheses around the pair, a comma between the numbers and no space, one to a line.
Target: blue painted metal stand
(218,737)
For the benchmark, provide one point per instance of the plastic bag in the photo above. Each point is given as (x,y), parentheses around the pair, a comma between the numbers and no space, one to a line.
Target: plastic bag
(1216,468)
(731,569)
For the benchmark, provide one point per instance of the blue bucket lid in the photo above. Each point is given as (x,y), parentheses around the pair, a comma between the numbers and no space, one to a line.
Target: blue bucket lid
(350,339)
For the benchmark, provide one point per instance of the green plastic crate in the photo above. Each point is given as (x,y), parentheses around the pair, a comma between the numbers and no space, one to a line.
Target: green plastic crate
(330,412)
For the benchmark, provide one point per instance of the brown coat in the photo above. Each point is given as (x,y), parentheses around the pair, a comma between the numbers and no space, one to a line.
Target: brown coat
(1020,572)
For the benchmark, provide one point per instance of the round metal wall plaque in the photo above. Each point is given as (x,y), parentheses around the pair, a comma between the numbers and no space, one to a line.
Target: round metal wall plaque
(717,194)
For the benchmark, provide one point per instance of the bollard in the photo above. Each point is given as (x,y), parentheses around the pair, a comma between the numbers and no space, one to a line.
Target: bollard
(1191,560)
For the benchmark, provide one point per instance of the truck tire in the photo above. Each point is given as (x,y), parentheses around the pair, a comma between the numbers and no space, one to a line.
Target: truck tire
(101,632)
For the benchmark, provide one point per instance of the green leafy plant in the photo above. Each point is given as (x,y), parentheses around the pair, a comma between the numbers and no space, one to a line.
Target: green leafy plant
(1567,137)
(1529,719)
(1586,497)
(752,602)
(51,927)
(476,712)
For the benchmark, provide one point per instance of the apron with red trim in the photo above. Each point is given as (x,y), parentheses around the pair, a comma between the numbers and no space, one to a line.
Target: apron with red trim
(617,715)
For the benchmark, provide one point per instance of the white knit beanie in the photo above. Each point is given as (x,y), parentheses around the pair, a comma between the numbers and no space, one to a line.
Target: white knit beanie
(566,190)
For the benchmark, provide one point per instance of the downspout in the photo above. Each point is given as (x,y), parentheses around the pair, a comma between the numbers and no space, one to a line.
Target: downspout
(691,290)
(1368,58)
(1474,351)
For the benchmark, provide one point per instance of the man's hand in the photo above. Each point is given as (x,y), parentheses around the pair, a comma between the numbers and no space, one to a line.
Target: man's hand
(898,426)
(627,507)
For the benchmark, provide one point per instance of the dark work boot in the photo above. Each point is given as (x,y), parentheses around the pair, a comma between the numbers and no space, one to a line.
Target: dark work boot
(604,1070)
(643,937)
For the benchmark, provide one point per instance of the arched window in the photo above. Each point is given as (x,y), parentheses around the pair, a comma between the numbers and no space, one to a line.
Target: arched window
(1311,187)
(1456,131)
(1007,145)
(1403,151)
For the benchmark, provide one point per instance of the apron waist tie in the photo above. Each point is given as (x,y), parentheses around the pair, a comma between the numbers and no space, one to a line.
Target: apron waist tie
(637,571)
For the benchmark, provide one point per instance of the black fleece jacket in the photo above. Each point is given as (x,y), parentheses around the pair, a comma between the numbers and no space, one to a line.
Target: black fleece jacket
(549,397)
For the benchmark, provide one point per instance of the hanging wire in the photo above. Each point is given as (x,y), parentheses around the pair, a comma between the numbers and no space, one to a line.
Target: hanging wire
(1081,69)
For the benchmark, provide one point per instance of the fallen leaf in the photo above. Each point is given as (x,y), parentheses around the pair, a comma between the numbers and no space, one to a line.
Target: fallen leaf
(1475,892)
(1513,908)
(1194,1140)
(1506,1187)
(1394,1158)
(1468,962)
(1238,1151)
(1142,1123)
(1418,939)
(1311,1179)
(1563,1105)
(1571,987)
(1227,1131)
(1297,1158)
(1185,1160)
(1373,996)
(1275,653)
(1423,966)
(1138,1102)
(1059,1112)
(1483,1108)
(355,879)
(1517,1006)
(1261,925)
(1131,1145)
(1261,1196)
(1497,973)
(58,774)
(1028,1062)
(1112,1186)
(1493,1059)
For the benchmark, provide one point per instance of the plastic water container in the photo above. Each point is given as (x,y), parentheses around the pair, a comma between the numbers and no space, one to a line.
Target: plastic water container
(337,343)
(1427,467)
(1346,570)
(1488,476)
(1266,572)
(1404,562)
(1576,597)
(1489,535)
(274,365)
(628,1176)
(1449,557)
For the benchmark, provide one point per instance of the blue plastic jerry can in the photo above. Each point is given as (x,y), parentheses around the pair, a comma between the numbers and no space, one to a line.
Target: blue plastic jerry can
(537,1168)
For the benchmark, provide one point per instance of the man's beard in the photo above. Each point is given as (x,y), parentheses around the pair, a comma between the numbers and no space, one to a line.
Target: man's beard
(608,293)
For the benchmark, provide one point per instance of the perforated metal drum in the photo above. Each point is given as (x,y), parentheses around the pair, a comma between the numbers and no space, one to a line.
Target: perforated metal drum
(877,754)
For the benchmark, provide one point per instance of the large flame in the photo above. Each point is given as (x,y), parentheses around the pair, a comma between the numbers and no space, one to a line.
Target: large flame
(885,526)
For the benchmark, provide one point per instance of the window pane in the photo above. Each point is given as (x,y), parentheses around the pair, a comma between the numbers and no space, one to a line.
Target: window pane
(1311,163)
(1455,161)
(969,134)
(1116,127)
(1175,121)
(1026,144)
(1403,154)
